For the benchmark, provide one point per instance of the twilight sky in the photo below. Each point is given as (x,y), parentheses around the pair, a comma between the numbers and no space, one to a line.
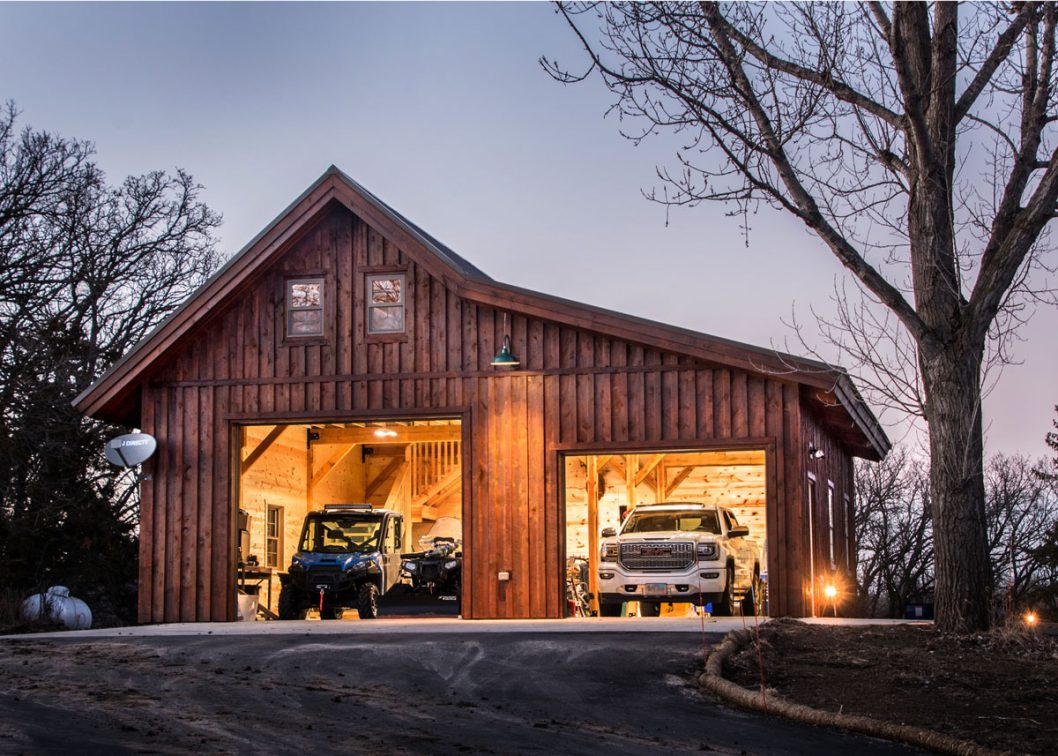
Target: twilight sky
(443,112)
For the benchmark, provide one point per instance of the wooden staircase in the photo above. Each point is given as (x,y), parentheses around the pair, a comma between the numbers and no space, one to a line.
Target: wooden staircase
(431,471)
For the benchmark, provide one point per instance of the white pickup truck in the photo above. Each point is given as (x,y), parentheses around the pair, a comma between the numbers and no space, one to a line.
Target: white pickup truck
(681,553)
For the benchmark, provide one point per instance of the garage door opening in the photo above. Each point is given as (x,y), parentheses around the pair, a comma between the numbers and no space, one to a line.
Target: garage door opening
(666,533)
(352,497)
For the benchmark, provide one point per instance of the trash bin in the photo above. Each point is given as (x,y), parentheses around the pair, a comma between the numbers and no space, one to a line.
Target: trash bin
(247,607)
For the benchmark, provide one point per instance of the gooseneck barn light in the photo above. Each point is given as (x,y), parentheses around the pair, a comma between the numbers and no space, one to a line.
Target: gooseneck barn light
(815,453)
(504,358)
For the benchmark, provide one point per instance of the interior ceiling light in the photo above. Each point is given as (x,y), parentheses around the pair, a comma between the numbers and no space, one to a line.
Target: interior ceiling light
(385,433)
(504,358)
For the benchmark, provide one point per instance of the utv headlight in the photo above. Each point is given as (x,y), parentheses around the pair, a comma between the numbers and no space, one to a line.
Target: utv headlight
(609,553)
(410,566)
(451,564)
(707,551)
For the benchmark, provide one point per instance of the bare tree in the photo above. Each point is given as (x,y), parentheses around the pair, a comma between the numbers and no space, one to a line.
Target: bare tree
(86,270)
(894,534)
(915,140)
(1022,509)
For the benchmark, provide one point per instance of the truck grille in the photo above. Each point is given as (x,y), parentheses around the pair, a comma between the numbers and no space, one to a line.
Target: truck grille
(659,555)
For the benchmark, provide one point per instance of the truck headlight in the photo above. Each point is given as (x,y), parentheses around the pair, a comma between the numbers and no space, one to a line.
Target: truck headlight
(609,553)
(707,551)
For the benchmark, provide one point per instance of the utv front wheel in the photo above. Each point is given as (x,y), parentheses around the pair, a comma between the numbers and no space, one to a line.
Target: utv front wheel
(367,601)
(289,608)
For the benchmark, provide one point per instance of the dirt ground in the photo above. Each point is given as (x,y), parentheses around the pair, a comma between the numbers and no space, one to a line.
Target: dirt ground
(998,689)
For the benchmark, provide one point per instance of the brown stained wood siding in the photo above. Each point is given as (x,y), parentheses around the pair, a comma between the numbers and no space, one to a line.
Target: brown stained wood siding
(577,390)
(834,468)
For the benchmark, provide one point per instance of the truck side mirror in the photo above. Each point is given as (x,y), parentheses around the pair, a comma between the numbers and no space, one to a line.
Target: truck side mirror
(739,532)
(609,532)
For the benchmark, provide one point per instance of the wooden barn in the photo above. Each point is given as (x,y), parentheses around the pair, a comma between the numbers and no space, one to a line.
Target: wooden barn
(345,355)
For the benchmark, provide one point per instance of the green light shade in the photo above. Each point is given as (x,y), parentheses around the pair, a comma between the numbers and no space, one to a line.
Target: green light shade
(504,358)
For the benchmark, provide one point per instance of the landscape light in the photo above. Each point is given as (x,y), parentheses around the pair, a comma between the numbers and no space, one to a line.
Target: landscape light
(830,592)
(1031,619)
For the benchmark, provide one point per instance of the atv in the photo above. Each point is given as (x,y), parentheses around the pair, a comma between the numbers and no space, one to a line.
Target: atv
(348,556)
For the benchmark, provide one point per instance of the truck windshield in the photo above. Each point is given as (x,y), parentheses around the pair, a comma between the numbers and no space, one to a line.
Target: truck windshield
(661,522)
(341,534)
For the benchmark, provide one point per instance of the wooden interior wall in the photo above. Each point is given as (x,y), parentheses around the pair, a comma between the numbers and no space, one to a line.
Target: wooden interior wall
(576,389)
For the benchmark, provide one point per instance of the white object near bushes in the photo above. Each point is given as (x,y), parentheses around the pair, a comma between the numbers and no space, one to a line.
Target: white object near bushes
(58,606)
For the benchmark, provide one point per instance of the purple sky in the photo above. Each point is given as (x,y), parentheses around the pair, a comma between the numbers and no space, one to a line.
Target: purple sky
(442,111)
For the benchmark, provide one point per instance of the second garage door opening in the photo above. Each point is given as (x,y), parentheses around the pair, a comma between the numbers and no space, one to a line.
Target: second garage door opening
(666,533)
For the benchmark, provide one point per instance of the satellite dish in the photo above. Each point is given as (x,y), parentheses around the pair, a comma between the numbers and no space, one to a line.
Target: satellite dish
(130,450)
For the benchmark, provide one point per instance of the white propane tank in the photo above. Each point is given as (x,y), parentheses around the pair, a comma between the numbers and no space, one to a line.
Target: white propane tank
(58,606)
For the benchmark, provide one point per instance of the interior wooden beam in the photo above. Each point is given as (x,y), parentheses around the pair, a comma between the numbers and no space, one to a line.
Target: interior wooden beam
(328,467)
(681,476)
(405,434)
(261,448)
(648,468)
(382,477)
(602,460)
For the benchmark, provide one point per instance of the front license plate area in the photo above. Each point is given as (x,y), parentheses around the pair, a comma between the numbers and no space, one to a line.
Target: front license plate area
(656,589)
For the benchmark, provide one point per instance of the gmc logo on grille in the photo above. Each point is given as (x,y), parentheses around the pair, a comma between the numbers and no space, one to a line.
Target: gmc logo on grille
(656,551)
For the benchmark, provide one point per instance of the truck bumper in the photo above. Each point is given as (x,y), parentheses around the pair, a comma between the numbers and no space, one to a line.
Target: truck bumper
(700,585)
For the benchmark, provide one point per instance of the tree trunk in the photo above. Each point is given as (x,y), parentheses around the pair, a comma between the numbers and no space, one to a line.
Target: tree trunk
(963,574)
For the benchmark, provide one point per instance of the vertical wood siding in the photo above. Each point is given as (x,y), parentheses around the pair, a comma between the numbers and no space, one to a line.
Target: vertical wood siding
(575,388)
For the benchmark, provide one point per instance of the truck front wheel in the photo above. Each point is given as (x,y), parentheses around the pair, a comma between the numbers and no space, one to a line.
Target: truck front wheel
(725,604)
(367,601)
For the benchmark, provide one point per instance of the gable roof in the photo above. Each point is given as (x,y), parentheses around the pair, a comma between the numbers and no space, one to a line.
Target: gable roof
(114,395)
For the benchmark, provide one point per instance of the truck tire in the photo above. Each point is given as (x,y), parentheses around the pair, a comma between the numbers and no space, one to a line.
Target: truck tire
(289,606)
(725,602)
(609,608)
(753,602)
(367,601)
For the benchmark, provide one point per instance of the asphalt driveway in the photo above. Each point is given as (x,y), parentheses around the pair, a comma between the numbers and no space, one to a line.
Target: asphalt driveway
(381,692)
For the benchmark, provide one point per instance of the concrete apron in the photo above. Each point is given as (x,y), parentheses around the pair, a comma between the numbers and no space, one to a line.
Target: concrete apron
(437,625)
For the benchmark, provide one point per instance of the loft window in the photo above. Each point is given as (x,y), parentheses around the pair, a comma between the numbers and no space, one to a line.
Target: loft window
(385,303)
(274,536)
(305,307)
